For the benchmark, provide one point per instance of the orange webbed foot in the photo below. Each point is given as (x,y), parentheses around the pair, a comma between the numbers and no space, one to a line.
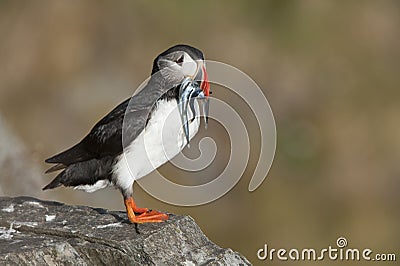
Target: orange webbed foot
(144,215)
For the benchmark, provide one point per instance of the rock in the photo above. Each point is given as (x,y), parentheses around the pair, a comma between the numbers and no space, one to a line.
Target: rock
(37,232)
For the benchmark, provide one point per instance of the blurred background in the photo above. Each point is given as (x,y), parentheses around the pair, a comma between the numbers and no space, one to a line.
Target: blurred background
(330,70)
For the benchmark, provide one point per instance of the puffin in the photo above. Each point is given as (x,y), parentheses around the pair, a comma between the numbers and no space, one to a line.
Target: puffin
(140,134)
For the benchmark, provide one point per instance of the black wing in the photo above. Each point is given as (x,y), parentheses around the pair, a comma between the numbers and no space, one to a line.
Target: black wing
(83,173)
(105,138)
(92,158)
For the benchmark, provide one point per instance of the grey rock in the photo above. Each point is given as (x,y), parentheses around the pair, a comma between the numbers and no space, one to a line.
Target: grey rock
(37,232)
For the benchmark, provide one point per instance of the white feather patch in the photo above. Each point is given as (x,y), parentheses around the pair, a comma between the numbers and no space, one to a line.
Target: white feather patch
(96,186)
(161,140)
(189,66)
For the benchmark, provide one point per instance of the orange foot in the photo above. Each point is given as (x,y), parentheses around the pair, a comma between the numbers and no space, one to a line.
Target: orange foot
(144,215)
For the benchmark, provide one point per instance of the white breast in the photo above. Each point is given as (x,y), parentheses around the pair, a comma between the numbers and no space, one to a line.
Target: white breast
(160,141)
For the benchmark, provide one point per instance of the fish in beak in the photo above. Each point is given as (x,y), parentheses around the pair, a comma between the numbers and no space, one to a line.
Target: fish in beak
(188,91)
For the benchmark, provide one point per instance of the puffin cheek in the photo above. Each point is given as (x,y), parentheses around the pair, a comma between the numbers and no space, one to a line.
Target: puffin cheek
(189,68)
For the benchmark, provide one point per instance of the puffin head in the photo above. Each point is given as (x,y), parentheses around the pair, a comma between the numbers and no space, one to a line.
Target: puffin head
(183,66)
(182,62)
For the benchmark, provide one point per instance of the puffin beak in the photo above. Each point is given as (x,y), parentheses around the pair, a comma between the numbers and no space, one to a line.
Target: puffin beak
(205,87)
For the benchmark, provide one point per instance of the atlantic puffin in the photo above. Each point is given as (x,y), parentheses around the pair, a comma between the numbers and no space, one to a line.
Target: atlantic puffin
(112,153)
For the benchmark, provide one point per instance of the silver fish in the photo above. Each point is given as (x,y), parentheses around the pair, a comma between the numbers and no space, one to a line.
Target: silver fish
(188,91)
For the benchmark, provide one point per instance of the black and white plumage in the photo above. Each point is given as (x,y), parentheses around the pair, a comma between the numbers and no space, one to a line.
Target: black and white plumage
(153,117)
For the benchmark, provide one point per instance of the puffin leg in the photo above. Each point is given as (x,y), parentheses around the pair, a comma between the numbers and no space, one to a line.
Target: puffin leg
(134,207)
(145,215)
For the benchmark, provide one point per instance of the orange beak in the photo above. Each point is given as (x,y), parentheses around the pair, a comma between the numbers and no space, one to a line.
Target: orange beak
(205,84)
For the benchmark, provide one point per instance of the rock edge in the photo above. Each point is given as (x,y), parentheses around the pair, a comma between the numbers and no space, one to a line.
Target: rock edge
(37,232)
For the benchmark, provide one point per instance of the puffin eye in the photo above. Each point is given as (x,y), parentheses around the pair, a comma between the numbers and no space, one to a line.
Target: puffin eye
(179,61)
